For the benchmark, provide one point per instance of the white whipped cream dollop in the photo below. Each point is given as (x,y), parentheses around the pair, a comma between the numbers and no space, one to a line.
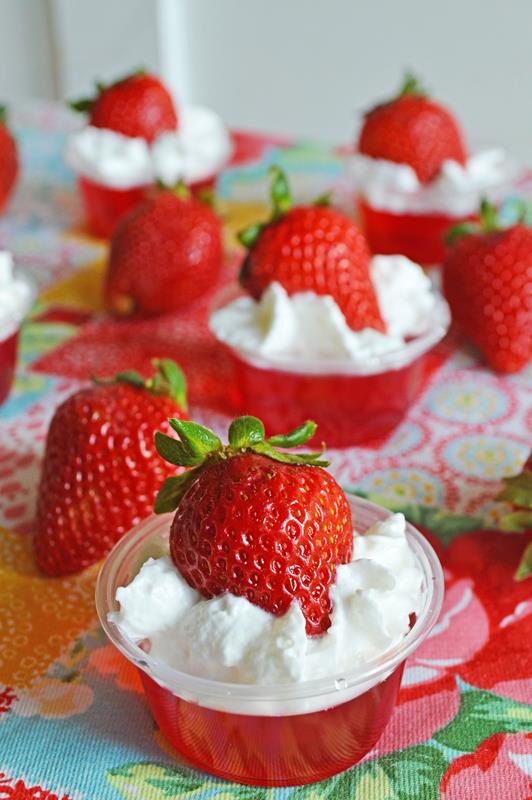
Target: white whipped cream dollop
(311,327)
(229,639)
(198,149)
(456,191)
(16,295)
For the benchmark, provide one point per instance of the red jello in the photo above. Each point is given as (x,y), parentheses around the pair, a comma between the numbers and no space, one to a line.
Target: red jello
(281,735)
(351,404)
(105,206)
(9,344)
(8,362)
(420,237)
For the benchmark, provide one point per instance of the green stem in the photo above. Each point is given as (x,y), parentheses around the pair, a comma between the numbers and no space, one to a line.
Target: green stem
(197,445)
(411,86)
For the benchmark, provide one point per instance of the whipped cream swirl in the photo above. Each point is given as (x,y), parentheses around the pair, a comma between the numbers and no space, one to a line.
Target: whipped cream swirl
(312,327)
(197,150)
(456,191)
(229,639)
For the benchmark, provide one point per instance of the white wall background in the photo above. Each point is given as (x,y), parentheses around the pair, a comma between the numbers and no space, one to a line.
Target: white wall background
(304,67)
(26,54)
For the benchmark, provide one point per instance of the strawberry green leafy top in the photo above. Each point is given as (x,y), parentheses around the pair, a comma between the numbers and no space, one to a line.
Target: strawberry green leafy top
(168,380)
(281,201)
(198,445)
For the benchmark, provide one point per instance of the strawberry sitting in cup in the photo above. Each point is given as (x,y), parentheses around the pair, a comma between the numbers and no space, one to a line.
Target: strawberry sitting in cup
(135,137)
(268,628)
(253,484)
(415,177)
(321,329)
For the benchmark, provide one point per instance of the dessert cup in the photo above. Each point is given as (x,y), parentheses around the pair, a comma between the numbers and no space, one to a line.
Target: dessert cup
(420,237)
(9,345)
(351,403)
(279,735)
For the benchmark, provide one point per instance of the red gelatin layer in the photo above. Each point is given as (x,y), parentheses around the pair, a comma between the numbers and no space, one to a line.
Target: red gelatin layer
(8,360)
(348,409)
(420,237)
(274,751)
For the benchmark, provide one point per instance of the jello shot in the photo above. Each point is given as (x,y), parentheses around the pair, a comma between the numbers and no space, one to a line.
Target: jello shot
(17,294)
(327,709)
(323,330)
(415,178)
(295,356)
(271,615)
(135,137)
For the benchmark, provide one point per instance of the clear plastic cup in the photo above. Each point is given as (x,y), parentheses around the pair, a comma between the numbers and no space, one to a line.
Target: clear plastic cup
(352,403)
(282,735)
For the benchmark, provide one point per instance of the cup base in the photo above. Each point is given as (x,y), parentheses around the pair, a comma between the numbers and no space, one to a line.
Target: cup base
(420,237)
(349,409)
(105,206)
(274,751)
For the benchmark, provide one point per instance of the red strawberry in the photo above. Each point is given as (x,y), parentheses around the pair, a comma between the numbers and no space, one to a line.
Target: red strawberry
(487,279)
(101,471)
(412,129)
(311,248)
(165,254)
(138,105)
(8,160)
(255,521)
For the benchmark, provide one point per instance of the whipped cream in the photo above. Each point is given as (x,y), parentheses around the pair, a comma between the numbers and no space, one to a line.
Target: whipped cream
(311,327)
(198,149)
(229,639)
(16,296)
(456,191)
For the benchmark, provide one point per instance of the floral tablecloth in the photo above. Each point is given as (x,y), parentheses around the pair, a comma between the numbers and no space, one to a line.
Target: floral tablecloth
(73,720)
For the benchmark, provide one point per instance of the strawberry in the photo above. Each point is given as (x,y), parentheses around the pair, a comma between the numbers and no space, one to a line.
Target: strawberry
(165,254)
(311,248)
(137,105)
(101,472)
(412,129)
(487,279)
(8,160)
(254,520)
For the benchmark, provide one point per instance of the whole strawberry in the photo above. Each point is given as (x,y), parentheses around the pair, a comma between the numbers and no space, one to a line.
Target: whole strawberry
(8,160)
(256,521)
(101,472)
(137,105)
(165,254)
(487,279)
(412,129)
(311,248)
